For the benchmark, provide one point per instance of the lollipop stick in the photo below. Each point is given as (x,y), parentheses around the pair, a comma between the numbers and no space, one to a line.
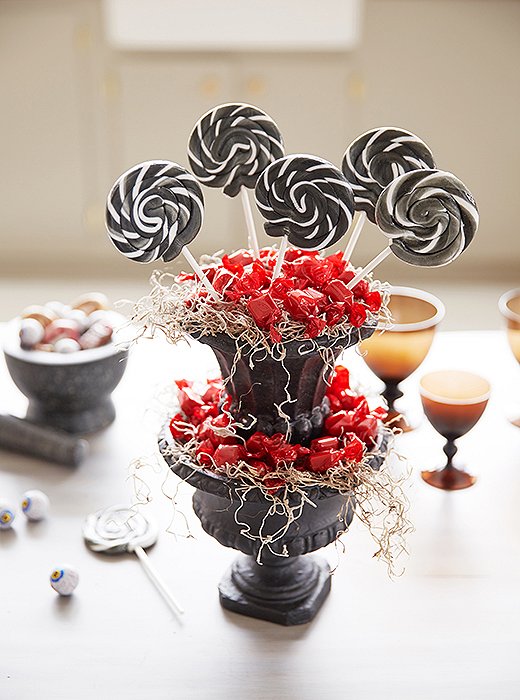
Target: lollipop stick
(369,267)
(200,273)
(251,231)
(280,258)
(157,580)
(356,232)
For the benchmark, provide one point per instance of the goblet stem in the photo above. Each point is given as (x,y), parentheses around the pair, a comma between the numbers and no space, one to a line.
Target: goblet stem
(394,419)
(450,450)
(391,394)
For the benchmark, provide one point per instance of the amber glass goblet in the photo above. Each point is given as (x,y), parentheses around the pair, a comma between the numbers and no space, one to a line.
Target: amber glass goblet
(398,351)
(453,402)
(509,305)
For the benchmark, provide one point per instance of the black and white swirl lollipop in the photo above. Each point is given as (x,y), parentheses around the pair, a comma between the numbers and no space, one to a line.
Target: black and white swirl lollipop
(230,146)
(429,216)
(377,157)
(153,211)
(306,200)
(372,161)
(119,529)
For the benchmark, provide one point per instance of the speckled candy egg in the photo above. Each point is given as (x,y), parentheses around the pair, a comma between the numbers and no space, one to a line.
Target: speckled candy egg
(7,515)
(64,579)
(35,504)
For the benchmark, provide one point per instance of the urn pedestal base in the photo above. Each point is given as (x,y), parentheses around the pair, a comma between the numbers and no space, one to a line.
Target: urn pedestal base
(285,590)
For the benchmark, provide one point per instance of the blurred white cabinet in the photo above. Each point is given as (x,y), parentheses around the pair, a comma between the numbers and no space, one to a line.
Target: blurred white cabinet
(233,25)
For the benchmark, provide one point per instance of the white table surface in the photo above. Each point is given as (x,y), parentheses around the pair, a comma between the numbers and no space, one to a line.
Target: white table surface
(448,628)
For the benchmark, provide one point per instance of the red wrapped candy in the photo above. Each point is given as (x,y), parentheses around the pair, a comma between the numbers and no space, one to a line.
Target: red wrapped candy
(229,454)
(264,310)
(321,461)
(324,443)
(354,450)
(338,291)
(367,429)
(373,301)
(357,315)
(314,327)
(301,304)
(237,261)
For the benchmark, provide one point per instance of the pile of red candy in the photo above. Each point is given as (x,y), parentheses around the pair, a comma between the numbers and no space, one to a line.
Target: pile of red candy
(311,289)
(349,430)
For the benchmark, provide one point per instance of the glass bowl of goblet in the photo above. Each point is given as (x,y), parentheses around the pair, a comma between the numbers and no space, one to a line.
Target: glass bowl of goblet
(453,402)
(400,347)
(509,305)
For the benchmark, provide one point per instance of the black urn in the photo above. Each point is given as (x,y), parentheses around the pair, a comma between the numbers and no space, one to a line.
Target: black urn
(273,579)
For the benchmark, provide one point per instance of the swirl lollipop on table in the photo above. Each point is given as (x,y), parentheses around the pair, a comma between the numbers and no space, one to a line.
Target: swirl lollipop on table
(307,201)
(429,216)
(372,161)
(119,529)
(153,211)
(229,148)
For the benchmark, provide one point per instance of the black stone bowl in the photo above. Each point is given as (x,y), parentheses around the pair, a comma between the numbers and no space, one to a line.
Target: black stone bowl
(288,589)
(67,391)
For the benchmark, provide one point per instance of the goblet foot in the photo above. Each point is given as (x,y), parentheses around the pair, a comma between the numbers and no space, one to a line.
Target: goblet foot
(450,478)
(285,590)
(398,420)
(515,421)
(80,422)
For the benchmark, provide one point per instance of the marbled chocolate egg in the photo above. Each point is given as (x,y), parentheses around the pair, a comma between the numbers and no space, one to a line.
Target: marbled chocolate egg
(93,301)
(66,345)
(58,308)
(41,313)
(98,334)
(79,317)
(31,333)
(61,328)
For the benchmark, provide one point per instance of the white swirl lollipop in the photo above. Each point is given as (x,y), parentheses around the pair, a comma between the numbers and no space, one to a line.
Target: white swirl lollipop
(119,529)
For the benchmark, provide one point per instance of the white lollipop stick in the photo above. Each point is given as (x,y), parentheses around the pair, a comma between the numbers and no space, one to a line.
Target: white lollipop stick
(280,258)
(119,529)
(356,232)
(369,267)
(200,274)
(251,230)
(157,580)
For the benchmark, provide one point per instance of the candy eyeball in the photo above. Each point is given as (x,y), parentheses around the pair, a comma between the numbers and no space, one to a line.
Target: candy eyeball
(64,579)
(7,515)
(35,505)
